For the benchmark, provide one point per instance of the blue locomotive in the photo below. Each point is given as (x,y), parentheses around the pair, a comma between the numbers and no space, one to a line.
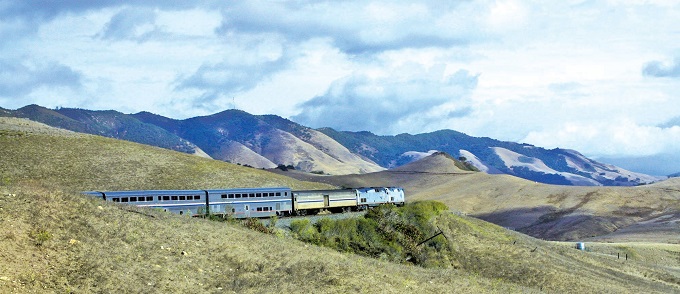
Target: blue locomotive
(256,202)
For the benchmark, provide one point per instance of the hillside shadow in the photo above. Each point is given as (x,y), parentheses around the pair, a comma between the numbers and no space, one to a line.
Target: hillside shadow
(548,223)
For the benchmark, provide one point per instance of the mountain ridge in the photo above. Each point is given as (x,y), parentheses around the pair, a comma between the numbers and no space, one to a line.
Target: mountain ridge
(266,141)
(554,166)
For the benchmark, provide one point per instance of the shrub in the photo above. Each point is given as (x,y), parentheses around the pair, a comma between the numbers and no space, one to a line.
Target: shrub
(272,222)
(385,231)
(256,225)
(40,236)
(303,230)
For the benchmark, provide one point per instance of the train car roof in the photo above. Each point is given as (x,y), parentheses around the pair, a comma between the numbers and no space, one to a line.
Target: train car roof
(254,190)
(151,192)
(317,191)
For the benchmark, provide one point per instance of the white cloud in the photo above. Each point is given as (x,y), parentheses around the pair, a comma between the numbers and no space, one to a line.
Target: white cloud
(21,78)
(507,15)
(610,138)
(507,69)
(660,69)
(407,98)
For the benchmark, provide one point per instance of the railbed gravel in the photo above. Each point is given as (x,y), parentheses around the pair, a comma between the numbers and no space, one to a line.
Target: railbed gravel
(284,222)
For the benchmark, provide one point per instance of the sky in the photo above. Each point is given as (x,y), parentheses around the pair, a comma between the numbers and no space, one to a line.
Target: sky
(600,77)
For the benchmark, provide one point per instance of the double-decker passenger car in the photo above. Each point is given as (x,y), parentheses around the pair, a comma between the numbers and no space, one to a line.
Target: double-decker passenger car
(242,203)
(189,202)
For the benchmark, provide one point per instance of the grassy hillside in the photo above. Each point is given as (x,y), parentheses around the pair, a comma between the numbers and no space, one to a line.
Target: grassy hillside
(78,162)
(642,213)
(56,240)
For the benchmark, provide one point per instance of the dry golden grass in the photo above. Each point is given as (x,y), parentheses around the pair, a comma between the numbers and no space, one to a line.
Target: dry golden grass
(102,247)
(547,211)
(82,162)
(56,240)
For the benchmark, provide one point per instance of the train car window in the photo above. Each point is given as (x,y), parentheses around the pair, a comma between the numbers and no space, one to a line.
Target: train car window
(116,199)
(133,199)
(259,209)
(197,197)
(252,195)
(173,197)
(258,195)
(278,193)
(124,199)
(363,199)
(182,197)
(225,195)
(149,198)
(159,198)
(233,210)
(166,198)
(231,195)
(238,195)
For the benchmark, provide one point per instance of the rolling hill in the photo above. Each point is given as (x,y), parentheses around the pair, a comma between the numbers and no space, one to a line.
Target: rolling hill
(57,240)
(544,211)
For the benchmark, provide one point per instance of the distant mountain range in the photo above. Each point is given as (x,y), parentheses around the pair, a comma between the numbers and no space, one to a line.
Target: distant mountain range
(267,141)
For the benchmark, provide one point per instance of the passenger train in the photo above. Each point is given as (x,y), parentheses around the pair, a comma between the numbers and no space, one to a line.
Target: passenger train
(256,202)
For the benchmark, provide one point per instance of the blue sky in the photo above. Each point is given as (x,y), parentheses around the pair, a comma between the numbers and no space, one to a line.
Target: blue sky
(600,77)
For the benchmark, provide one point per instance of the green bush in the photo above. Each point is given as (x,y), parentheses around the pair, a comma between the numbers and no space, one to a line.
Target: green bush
(386,231)
(303,230)
(40,236)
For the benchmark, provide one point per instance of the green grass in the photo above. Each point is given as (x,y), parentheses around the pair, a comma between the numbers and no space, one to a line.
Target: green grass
(57,240)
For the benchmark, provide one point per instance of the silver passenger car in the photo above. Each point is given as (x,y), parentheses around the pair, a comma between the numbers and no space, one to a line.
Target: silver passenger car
(251,202)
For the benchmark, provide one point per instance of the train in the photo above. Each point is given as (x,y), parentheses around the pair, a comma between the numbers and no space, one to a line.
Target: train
(256,202)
